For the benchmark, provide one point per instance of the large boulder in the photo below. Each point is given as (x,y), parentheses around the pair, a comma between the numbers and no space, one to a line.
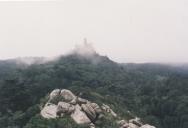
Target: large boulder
(68,96)
(65,108)
(147,126)
(96,107)
(79,116)
(49,111)
(89,110)
(55,96)
(81,100)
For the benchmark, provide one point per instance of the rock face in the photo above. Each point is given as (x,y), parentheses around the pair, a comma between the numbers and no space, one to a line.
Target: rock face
(133,123)
(79,116)
(68,96)
(147,126)
(65,108)
(49,111)
(89,110)
(96,107)
(81,100)
(64,102)
(54,96)
(62,95)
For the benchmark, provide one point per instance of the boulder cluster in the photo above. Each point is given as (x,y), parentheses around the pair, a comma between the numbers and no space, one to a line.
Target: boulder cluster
(64,102)
(133,123)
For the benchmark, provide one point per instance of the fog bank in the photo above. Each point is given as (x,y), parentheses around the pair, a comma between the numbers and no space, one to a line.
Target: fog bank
(126,31)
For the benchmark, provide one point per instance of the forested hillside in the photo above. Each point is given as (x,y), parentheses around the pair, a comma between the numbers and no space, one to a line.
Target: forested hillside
(157,93)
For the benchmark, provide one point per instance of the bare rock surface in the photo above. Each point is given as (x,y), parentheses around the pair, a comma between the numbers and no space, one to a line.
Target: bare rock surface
(79,116)
(89,110)
(68,96)
(96,107)
(54,96)
(82,111)
(49,111)
(147,126)
(66,108)
(81,100)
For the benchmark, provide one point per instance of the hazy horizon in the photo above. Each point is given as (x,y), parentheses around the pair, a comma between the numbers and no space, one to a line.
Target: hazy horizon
(126,31)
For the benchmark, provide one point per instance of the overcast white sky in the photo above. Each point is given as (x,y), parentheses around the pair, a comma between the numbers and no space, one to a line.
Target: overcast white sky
(125,30)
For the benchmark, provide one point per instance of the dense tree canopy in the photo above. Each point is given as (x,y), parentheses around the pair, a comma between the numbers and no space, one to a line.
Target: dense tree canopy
(156,93)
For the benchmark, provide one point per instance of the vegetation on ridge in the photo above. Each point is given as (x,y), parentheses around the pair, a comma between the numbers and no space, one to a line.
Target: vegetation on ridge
(156,93)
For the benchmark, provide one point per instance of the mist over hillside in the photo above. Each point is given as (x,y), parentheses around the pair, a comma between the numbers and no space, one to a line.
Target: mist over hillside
(87,51)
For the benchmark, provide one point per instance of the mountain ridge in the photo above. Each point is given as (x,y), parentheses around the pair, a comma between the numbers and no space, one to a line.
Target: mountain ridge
(156,93)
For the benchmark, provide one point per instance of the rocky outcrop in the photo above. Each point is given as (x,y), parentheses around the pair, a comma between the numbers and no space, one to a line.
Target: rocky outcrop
(65,108)
(49,111)
(96,107)
(55,96)
(81,100)
(89,110)
(62,95)
(79,116)
(147,126)
(68,96)
(64,102)
(133,123)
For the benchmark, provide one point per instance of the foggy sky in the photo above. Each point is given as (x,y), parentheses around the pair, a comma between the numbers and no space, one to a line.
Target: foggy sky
(124,30)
